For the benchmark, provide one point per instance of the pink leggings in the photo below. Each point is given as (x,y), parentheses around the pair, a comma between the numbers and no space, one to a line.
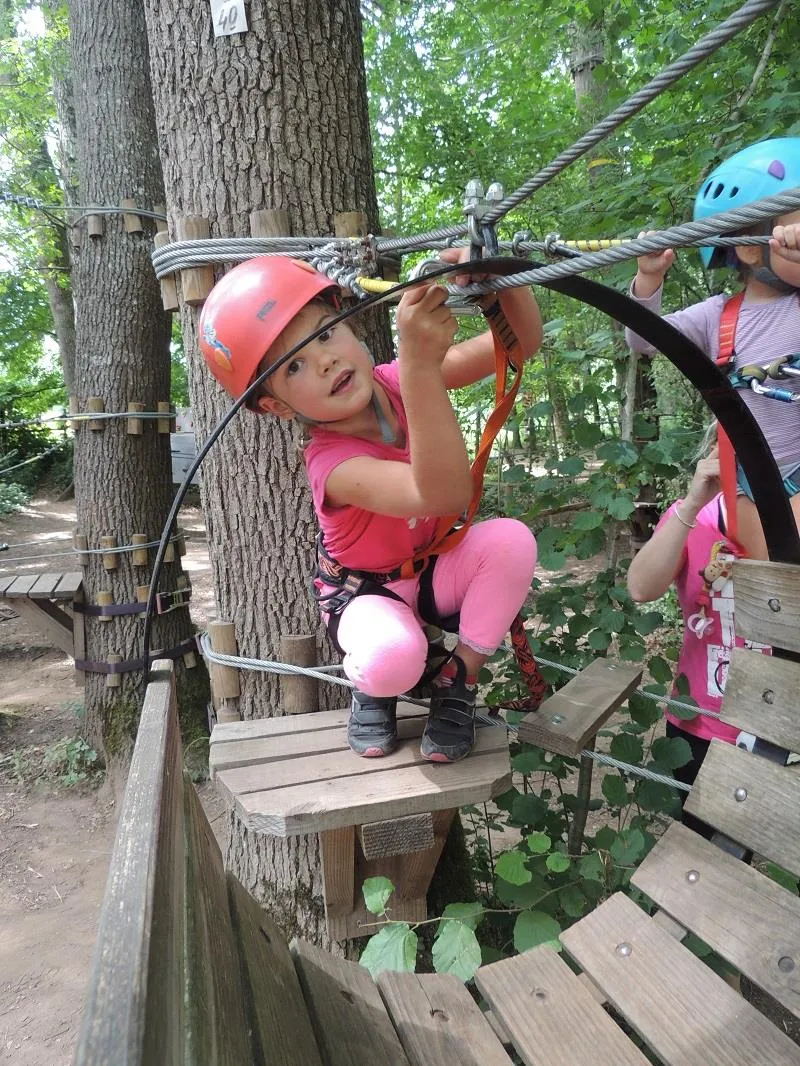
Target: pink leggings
(486,578)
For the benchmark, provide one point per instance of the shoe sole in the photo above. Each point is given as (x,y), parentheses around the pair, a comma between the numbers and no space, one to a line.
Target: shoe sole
(440,757)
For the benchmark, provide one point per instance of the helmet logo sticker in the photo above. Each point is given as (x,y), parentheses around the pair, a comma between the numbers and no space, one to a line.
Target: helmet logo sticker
(265,310)
(222,354)
(777,169)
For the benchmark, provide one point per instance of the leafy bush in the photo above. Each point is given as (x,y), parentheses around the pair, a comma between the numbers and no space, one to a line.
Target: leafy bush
(12,497)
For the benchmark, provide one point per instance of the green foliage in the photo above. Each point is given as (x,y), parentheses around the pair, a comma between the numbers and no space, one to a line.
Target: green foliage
(12,497)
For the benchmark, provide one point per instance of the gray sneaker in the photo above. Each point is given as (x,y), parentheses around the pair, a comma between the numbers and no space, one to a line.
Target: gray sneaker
(372,729)
(449,734)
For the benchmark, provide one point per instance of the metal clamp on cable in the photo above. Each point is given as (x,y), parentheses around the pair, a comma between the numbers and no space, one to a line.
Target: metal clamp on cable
(456,304)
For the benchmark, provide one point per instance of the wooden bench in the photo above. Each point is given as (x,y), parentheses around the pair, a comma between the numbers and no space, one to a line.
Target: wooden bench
(189,970)
(46,601)
(295,774)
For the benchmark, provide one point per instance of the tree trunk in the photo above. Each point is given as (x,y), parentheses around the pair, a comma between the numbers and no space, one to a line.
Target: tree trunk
(275,117)
(123,482)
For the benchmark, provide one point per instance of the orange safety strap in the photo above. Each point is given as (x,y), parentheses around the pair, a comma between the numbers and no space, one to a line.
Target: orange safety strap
(507,357)
(727,456)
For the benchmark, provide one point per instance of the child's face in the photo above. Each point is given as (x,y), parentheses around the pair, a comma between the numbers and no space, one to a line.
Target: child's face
(330,380)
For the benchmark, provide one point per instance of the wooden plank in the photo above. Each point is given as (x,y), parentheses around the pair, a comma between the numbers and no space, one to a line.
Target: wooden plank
(296,724)
(70,583)
(418,867)
(338,853)
(676,1004)
(282,1025)
(53,622)
(310,770)
(438,1021)
(348,1015)
(254,751)
(761,697)
(550,1016)
(400,836)
(767,597)
(748,919)
(139,947)
(23,584)
(766,819)
(568,719)
(5,581)
(44,586)
(217,1027)
(371,797)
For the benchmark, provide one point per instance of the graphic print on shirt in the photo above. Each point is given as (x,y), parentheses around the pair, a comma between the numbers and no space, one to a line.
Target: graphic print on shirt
(717,578)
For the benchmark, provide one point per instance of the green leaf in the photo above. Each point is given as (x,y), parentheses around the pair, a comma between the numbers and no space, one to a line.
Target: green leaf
(628,847)
(571,466)
(557,862)
(539,843)
(592,867)
(528,762)
(376,893)
(660,669)
(587,434)
(781,876)
(621,507)
(643,711)
(586,520)
(573,901)
(615,790)
(627,748)
(393,948)
(647,622)
(533,928)
(520,895)
(599,640)
(672,752)
(456,950)
(528,809)
(511,867)
(468,913)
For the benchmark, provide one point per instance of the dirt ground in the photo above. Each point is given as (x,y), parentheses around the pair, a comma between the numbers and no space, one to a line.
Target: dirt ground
(55,840)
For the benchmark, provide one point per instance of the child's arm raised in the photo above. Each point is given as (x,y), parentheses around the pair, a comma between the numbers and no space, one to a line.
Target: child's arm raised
(437,481)
(660,561)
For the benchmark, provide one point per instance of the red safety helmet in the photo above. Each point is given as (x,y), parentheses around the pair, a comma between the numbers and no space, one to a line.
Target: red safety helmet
(249,308)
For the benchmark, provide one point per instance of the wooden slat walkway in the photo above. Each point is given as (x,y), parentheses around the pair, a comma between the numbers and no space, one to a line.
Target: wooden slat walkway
(46,600)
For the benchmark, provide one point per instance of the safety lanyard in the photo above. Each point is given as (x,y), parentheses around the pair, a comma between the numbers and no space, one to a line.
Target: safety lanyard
(507,357)
(727,457)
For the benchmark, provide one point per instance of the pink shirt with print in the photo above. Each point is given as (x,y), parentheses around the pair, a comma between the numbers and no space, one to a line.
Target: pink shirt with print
(705,589)
(357,538)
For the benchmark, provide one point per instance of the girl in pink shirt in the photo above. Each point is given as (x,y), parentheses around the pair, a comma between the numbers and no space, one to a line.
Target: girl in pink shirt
(691,549)
(385,459)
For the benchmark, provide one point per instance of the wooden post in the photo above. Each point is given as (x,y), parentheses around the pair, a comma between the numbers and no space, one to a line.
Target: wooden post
(164,424)
(74,408)
(169,286)
(110,558)
(80,544)
(196,282)
(350,224)
(270,223)
(135,425)
(104,599)
(114,680)
(169,552)
(224,679)
(95,225)
(140,556)
(180,543)
(298,694)
(133,224)
(142,593)
(95,403)
(161,223)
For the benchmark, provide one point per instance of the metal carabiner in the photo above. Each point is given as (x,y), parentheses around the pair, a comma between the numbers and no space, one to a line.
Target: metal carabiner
(456,304)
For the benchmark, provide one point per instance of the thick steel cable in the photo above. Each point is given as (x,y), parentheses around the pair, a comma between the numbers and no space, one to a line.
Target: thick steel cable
(700,51)
(182,254)
(674,237)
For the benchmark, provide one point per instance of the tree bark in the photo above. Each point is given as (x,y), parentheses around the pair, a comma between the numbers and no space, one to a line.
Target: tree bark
(274,118)
(123,482)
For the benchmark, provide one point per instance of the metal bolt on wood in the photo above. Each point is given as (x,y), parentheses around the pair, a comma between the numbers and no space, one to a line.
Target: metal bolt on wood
(740,794)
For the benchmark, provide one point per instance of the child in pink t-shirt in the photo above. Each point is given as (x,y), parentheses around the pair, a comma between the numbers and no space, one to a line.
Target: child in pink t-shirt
(690,548)
(385,459)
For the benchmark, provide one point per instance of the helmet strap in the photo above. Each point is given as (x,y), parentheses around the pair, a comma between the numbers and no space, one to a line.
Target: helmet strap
(388,435)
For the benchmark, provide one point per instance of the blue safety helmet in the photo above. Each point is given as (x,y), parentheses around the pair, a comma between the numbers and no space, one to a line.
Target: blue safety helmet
(763,169)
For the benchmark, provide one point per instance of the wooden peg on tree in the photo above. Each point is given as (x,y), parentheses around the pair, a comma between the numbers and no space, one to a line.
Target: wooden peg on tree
(196,282)
(133,224)
(110,558)
(95,403)
(169,286)
(135,425)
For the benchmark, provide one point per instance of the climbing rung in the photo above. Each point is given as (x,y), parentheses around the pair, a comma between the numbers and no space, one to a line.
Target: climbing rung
(566,720)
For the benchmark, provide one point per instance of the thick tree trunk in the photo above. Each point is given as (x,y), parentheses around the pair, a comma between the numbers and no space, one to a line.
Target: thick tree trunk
(123,483)
(272,118)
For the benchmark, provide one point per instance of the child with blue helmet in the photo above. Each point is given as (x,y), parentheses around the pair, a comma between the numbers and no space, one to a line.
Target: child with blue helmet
(759,328)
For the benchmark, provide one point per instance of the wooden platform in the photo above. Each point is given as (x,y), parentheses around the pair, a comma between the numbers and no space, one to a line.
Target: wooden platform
(295,775)
(46,600)
(190,971)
